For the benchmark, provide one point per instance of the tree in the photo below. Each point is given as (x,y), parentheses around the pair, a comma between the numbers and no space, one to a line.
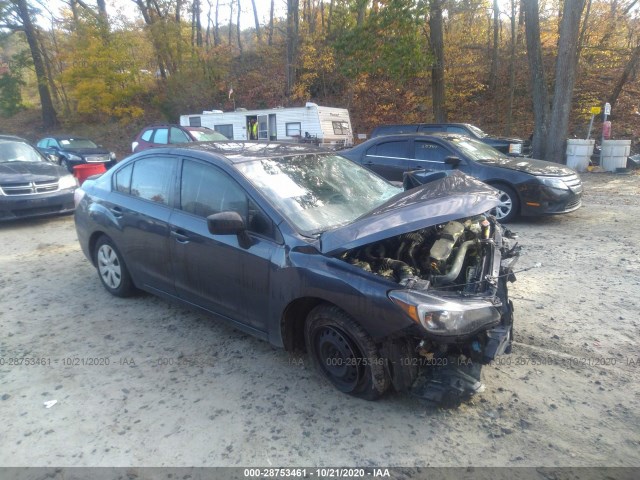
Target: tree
(292,44)
(566,66)
(49,117)
(436,35)
(539,93)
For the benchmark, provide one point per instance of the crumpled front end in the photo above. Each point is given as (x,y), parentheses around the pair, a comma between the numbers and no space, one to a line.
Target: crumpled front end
(452,282)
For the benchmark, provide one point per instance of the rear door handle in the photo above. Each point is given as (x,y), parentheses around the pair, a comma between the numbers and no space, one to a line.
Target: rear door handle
(117,212)
(180,236)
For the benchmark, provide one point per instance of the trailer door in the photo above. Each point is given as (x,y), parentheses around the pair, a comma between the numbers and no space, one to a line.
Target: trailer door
(263,127)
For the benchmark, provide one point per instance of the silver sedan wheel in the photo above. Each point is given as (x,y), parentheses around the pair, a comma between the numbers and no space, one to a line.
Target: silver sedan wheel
(505,207)
(109,266)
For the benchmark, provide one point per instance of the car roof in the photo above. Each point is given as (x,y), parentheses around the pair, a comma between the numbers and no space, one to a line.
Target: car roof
(420,135)
(240,152)
(67,137)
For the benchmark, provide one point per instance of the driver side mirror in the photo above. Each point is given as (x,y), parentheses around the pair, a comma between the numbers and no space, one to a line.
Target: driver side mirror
(229,223)
(453,161)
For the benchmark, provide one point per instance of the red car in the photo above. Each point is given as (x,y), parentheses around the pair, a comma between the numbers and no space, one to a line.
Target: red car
(161,135)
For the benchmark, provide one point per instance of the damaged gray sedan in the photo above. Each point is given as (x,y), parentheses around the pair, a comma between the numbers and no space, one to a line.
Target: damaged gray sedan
(308,250)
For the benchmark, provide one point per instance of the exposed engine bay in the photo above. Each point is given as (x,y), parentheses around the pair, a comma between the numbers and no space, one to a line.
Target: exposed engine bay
(458,261)
(454,256)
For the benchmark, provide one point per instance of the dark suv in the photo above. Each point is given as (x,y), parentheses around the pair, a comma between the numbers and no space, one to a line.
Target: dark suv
(163,135)
(510,146)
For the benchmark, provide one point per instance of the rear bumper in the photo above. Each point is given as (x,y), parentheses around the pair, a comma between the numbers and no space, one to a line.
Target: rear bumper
(37,205)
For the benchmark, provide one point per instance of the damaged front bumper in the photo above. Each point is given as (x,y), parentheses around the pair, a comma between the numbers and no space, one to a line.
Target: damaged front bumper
(442,366)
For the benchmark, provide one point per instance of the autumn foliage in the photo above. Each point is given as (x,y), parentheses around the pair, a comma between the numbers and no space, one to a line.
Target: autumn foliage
(373,57)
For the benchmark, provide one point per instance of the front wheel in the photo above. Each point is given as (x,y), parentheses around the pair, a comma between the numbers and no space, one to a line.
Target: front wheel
(344,353)
(112,270)
(509,204)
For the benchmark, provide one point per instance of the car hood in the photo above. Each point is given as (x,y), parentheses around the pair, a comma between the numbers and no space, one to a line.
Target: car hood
(29,171)
(531,166)
(86,151)
(453,197)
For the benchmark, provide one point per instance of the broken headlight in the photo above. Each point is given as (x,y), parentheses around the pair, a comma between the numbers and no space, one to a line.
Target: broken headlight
(445,317)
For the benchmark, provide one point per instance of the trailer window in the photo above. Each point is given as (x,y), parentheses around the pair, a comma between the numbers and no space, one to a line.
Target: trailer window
(226,130)
(341,128)
(294,129)
(195,121)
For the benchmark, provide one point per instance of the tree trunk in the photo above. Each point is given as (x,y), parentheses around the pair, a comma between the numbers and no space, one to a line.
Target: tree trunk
(271,24)
(539,93)
(230,21)
(238,32)
(436,36)
(628,69)
(512,67)
(198,9)
(49,118)
(361,5)
(216,27)
(493,73)
(566,66)
(329,17)
(257,22)
(292,44)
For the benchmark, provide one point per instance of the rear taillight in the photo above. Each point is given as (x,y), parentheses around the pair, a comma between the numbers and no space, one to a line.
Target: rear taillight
(134,145)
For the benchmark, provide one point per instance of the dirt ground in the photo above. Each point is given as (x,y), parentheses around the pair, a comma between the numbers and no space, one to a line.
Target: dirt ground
(143,382)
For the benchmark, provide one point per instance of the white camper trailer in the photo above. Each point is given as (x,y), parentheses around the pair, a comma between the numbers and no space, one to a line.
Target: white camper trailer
(311,123)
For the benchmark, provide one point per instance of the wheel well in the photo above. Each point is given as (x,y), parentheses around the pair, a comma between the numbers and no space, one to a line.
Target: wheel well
(92,244)
(292,322)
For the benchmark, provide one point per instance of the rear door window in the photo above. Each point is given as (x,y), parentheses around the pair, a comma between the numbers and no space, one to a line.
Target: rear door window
(153,179)
(146,136)
(161,136)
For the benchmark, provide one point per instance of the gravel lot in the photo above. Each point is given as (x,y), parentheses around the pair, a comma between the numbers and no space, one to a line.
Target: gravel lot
(143,382)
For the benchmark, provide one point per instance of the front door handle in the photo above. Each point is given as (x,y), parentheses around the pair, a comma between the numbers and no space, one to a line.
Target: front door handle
(180,236)
(117,212)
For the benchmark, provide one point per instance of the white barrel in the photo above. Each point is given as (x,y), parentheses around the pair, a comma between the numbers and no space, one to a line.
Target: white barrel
(614,154)
(578,153)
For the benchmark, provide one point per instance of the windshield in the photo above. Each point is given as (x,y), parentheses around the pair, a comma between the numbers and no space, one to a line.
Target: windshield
(475,149)
(478,133)
(205,136)
(77,143)
(318,192)
(18,152)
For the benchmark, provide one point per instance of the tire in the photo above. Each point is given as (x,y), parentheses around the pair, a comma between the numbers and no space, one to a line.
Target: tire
(112,270)
(509,206)
(344,353)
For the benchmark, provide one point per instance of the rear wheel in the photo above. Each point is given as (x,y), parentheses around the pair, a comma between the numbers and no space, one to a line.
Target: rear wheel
(112,270)
(344,353)
(509,204)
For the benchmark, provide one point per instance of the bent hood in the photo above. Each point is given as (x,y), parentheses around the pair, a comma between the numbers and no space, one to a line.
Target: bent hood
(16,172)
(531,166)
(453,197)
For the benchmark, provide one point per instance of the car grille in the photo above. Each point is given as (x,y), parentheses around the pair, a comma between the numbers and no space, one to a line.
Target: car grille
(573,204)
(29,188)
(29,212)
(97,158)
